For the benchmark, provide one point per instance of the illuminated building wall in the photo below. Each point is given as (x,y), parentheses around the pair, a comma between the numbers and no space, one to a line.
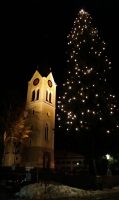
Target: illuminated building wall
(41,100)
(38,149)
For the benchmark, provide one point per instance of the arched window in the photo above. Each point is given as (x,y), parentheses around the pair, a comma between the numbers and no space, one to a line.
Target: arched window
(46,95)
(37,98)
(33,95)
(46,132)
(50,97)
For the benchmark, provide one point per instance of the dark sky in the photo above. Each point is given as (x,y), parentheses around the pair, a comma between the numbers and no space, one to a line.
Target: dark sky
(34,34)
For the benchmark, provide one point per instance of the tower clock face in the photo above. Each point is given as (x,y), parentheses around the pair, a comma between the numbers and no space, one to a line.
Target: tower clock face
(50,83)
(36,81)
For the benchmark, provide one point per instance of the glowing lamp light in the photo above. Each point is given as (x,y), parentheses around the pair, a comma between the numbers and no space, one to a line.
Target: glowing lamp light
(77,163)
(107,156)
(108,131)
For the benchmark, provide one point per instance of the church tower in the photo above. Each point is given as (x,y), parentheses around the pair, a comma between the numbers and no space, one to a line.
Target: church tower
(40,107)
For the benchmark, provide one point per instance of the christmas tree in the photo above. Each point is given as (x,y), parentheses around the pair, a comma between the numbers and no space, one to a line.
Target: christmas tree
(87,107)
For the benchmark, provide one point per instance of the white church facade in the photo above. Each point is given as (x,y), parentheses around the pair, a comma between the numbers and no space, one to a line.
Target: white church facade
(40,108)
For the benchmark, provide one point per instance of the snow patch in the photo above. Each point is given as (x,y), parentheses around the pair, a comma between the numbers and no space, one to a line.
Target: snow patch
(55,191)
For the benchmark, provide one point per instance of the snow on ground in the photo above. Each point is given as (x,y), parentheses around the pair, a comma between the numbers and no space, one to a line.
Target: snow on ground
(55,191)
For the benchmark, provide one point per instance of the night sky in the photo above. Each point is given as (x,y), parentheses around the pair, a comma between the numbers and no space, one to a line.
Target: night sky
(34,34)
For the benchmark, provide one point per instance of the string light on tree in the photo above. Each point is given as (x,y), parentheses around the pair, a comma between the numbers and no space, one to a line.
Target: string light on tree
(89,105)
